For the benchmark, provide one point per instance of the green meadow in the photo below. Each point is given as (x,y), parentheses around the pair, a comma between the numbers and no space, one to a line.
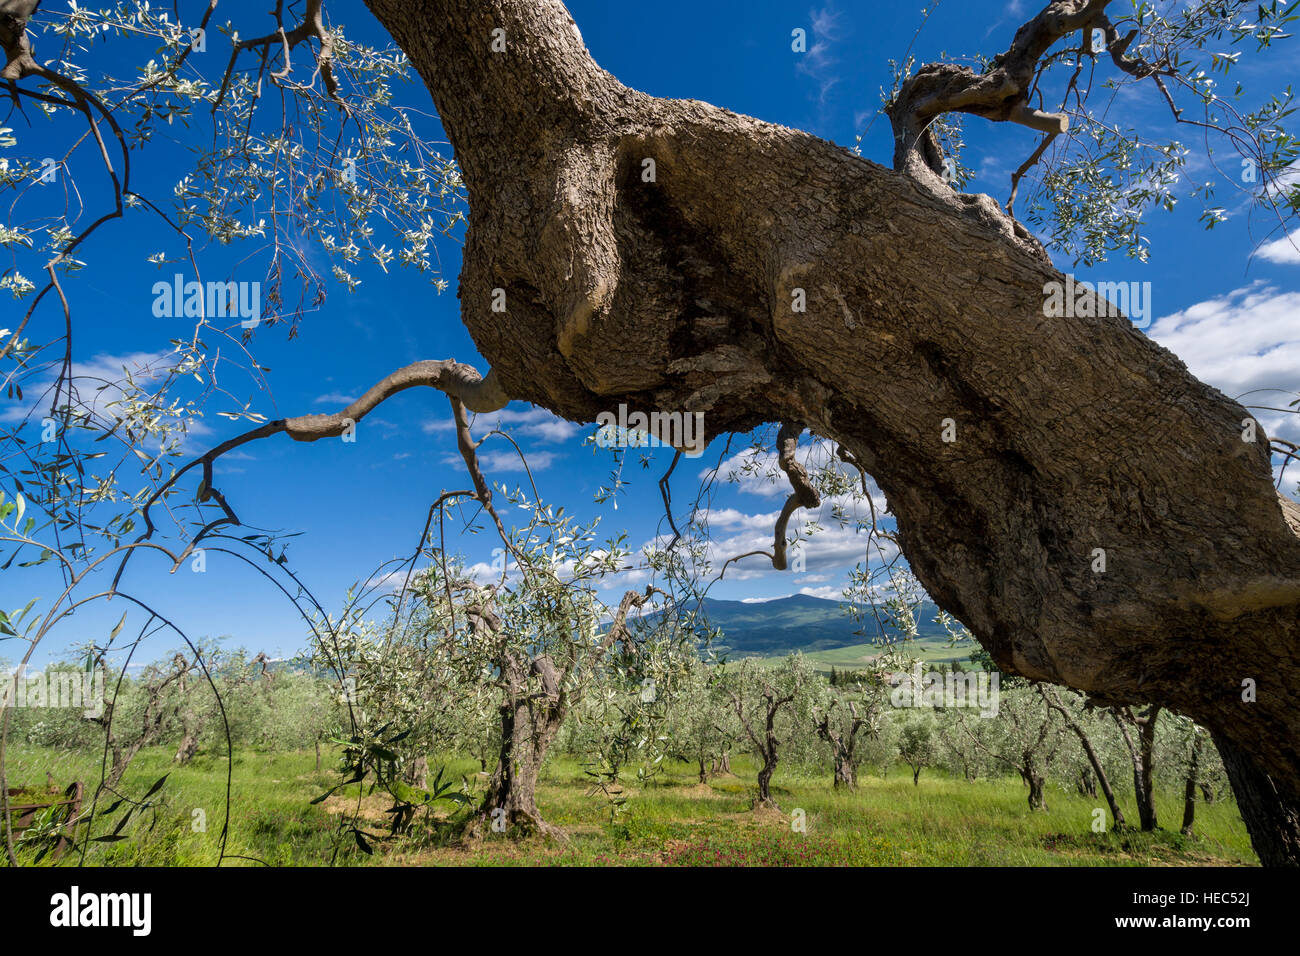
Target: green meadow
(671,820)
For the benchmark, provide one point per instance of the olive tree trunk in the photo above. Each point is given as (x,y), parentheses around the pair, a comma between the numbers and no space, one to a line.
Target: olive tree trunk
(846,774)
(529,723)
(1142,756)
(1034,779)
(1189,788)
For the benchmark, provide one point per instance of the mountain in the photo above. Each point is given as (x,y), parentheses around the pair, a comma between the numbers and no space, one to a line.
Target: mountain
(803,623)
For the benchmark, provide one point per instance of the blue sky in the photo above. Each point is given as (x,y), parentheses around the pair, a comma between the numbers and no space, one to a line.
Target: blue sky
(1235,320)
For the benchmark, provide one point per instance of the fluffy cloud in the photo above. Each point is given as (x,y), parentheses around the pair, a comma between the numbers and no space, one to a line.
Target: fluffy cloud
(827,553)
(756,472)
(1285,250)
(1246,344)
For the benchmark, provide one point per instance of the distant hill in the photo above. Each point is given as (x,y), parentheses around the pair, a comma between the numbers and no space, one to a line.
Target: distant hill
(809,624)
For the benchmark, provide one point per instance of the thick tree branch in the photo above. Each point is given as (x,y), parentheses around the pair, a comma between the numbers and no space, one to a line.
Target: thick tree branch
(803,495)
(460,382)
(1002,93)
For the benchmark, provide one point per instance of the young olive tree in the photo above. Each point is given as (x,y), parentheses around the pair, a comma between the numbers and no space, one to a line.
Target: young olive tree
(698,710)
(768,702)
(1025,737)
(541,640)
(1076,717)
(843,717)
(918,744)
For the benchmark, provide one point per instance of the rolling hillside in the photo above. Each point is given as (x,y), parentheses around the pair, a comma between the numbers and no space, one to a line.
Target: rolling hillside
(820,628)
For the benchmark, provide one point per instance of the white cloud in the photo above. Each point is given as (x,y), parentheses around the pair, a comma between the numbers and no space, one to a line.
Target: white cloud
(734,518)
(509,460)
(830,592)
(98,385)
(827,553)
(1285,251)
(817,62)
(1246,344)
(334,398)
(754,472)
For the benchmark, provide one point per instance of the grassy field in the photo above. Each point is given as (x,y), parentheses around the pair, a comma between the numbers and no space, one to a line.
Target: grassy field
(857,656)
(673,821)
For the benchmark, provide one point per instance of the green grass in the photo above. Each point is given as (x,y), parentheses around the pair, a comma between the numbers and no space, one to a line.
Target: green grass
(672,821)
(270,815)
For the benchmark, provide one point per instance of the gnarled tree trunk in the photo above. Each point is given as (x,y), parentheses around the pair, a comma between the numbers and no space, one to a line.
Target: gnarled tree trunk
(846,775)
(417,772)
(675,293)
(529,723)
(765,780)
(844,744)
(721,764)
(1035,781)
(188,747)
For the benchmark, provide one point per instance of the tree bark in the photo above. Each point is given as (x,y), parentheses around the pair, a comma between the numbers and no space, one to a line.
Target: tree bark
(1264,806)
(189,746)
(1087,785)
(1189,789)
(1029,773)
(528,726)
(846,775)
(765,781)
(922,306)
(417,772)
(1142,756)
(843,743)
(1147,739)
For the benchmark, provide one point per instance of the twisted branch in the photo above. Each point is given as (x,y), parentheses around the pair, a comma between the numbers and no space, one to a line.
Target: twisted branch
(803,495)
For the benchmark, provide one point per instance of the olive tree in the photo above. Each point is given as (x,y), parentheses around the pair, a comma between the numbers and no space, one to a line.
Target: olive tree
(843,718)
(771,704)
(1026,737)
(918,746)
(698,711)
